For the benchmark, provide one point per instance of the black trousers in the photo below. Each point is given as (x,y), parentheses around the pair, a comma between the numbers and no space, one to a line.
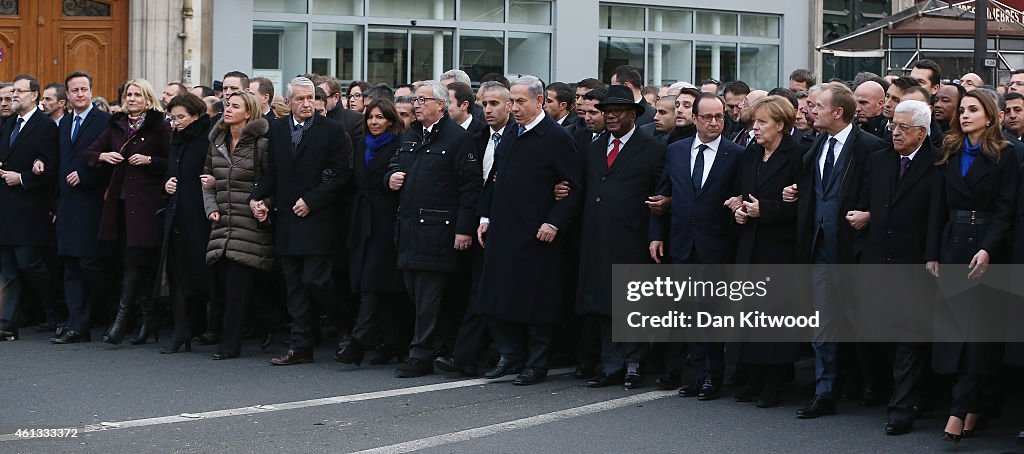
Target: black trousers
(233,287)
(910,361)
(965,395)
(473,336)
(426,288)
(615,356)
(21,265)
(527,343)
(85,284)
(308,282)
(186,300)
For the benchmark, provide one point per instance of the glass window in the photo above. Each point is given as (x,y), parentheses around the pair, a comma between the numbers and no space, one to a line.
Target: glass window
(337,51)
(482,11)
(533,12)
(621,17)
(667,20)
(715,61)
(9,8)
(952,43)
(426,44)
(530,53)
(86,8)
(338,7)
(669,61)
(899,60)
(270,38)
(613,52)
(481,52)
(716,23)
(279,6)
(760,26)
(759,65)
(414,9)
(903,42)
(387,52)
(1011,44)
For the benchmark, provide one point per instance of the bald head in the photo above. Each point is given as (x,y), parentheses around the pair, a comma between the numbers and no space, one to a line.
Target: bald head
(870,98)
(752,97)
(970,81)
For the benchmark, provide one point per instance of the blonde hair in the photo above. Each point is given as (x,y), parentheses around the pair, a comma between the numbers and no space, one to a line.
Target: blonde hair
(778,109)
(148,93)
(252,106)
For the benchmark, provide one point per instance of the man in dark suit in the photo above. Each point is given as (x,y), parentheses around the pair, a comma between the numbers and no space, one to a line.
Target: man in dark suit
(306,178)
(263,89)
(664,119)
(832,180)
(80,190)
(525,243)
(903,226)
(631,78)
(437,170)
(699,176)
(560,106)
(621,170)
(28,163)
(350,120)
(460,101)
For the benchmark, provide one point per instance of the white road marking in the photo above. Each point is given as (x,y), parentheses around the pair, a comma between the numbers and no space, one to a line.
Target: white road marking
(268,408)
(517,424)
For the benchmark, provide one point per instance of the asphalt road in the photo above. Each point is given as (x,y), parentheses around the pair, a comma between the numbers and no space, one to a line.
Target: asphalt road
(131,399)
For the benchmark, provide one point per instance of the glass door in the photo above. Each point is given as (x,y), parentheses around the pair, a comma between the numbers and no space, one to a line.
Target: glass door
(398,56)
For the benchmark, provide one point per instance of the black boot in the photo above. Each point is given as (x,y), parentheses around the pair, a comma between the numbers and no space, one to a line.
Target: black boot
(129,284)
(149,324)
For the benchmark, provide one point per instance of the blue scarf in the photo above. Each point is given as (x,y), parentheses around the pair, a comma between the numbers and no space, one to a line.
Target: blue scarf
(376,143)
(967,157)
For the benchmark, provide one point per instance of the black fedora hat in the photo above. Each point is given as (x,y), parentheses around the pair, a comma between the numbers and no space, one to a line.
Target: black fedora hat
(619,95)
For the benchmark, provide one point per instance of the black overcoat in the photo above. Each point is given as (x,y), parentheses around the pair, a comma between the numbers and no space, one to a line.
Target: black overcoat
(373,258)
(79,207)
(27,206)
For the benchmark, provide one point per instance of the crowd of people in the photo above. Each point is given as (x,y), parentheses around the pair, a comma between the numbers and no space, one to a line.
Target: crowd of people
(427,223)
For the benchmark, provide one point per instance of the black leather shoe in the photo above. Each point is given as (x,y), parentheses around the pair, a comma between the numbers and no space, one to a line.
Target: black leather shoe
(710,390)
(689,390)
(633,379)
(72,337)
(453,364)
(746,395)
(897,427)
(267,340)
(350,353)
(529,377)
(293,357)
(585,371)
(222,356)
(504,367)
(667,382)
(601,380)
(207,338)
(414,367)
(738,378)
(8,336)
(1020,437)
(818,406)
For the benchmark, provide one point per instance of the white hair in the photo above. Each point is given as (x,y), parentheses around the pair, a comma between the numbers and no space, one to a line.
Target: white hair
(458,75)
(815,88)
(298,82)
(439,91)
(678,87)
(532,83)
(919,112)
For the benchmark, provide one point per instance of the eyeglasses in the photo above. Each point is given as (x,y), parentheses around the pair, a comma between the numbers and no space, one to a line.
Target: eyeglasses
(709,117)
(355,96)
(901,127)
(615,112)
(179,118)
(421,100)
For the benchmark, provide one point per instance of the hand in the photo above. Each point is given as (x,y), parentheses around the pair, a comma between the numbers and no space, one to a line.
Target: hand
(214,216)
(481,231)
(657,249)
(790,194)
(73,179)
(171,185)
(546,234)
(933,267)
(38,167)
(753,208)
(741,215)
(462,242)
(140,160)
(733,203)
(259,210)
(111,157)
(396,181)
(978,265)
(561,190)
(858,219)
(659,204)
(300,209)
(11,178)
(209,182)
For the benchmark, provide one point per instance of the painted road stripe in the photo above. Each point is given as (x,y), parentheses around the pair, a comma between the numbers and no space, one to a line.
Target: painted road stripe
(517,424)
(265,408)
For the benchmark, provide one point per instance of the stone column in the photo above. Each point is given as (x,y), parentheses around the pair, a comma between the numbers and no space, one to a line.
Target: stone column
(817,35)
(155,50)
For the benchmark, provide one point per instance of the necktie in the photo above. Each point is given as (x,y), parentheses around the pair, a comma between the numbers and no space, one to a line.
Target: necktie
(830,161)
(594,136)
(74,127)
(615,151)
(522,130)
(17,129)
(296,137)
(904,165)
(489,157)
(496,137)
(698,169)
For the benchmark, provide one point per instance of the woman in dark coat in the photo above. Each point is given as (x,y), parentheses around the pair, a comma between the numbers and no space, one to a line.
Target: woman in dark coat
(135,146)
(186,229)
(767,231)
(241,244)
(979,186)
(373,259)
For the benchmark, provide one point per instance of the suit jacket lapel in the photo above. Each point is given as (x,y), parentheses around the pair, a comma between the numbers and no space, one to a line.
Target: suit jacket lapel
(917,169)
(88,120)
(30,124)
(839,167)
(305,136)
(716,167)
(975,173)
(688,170)
(626,152)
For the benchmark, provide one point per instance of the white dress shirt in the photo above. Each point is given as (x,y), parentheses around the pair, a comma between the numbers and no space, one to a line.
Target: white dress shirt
(841,139)
(709,156)
(488,160)
(625,138)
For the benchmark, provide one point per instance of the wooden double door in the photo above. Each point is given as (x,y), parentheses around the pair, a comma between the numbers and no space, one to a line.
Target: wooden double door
(50,39)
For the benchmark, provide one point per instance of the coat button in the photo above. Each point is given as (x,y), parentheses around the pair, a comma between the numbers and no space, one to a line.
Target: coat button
(421,220)
(597,199)
(604,178)
(447,222)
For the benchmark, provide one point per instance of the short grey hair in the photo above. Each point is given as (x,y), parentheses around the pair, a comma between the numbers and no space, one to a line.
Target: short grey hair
(458,75)
(919,112)
(495,86)
(437,90)
(678,87)
(815,88)
(298,82)
(533,84)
